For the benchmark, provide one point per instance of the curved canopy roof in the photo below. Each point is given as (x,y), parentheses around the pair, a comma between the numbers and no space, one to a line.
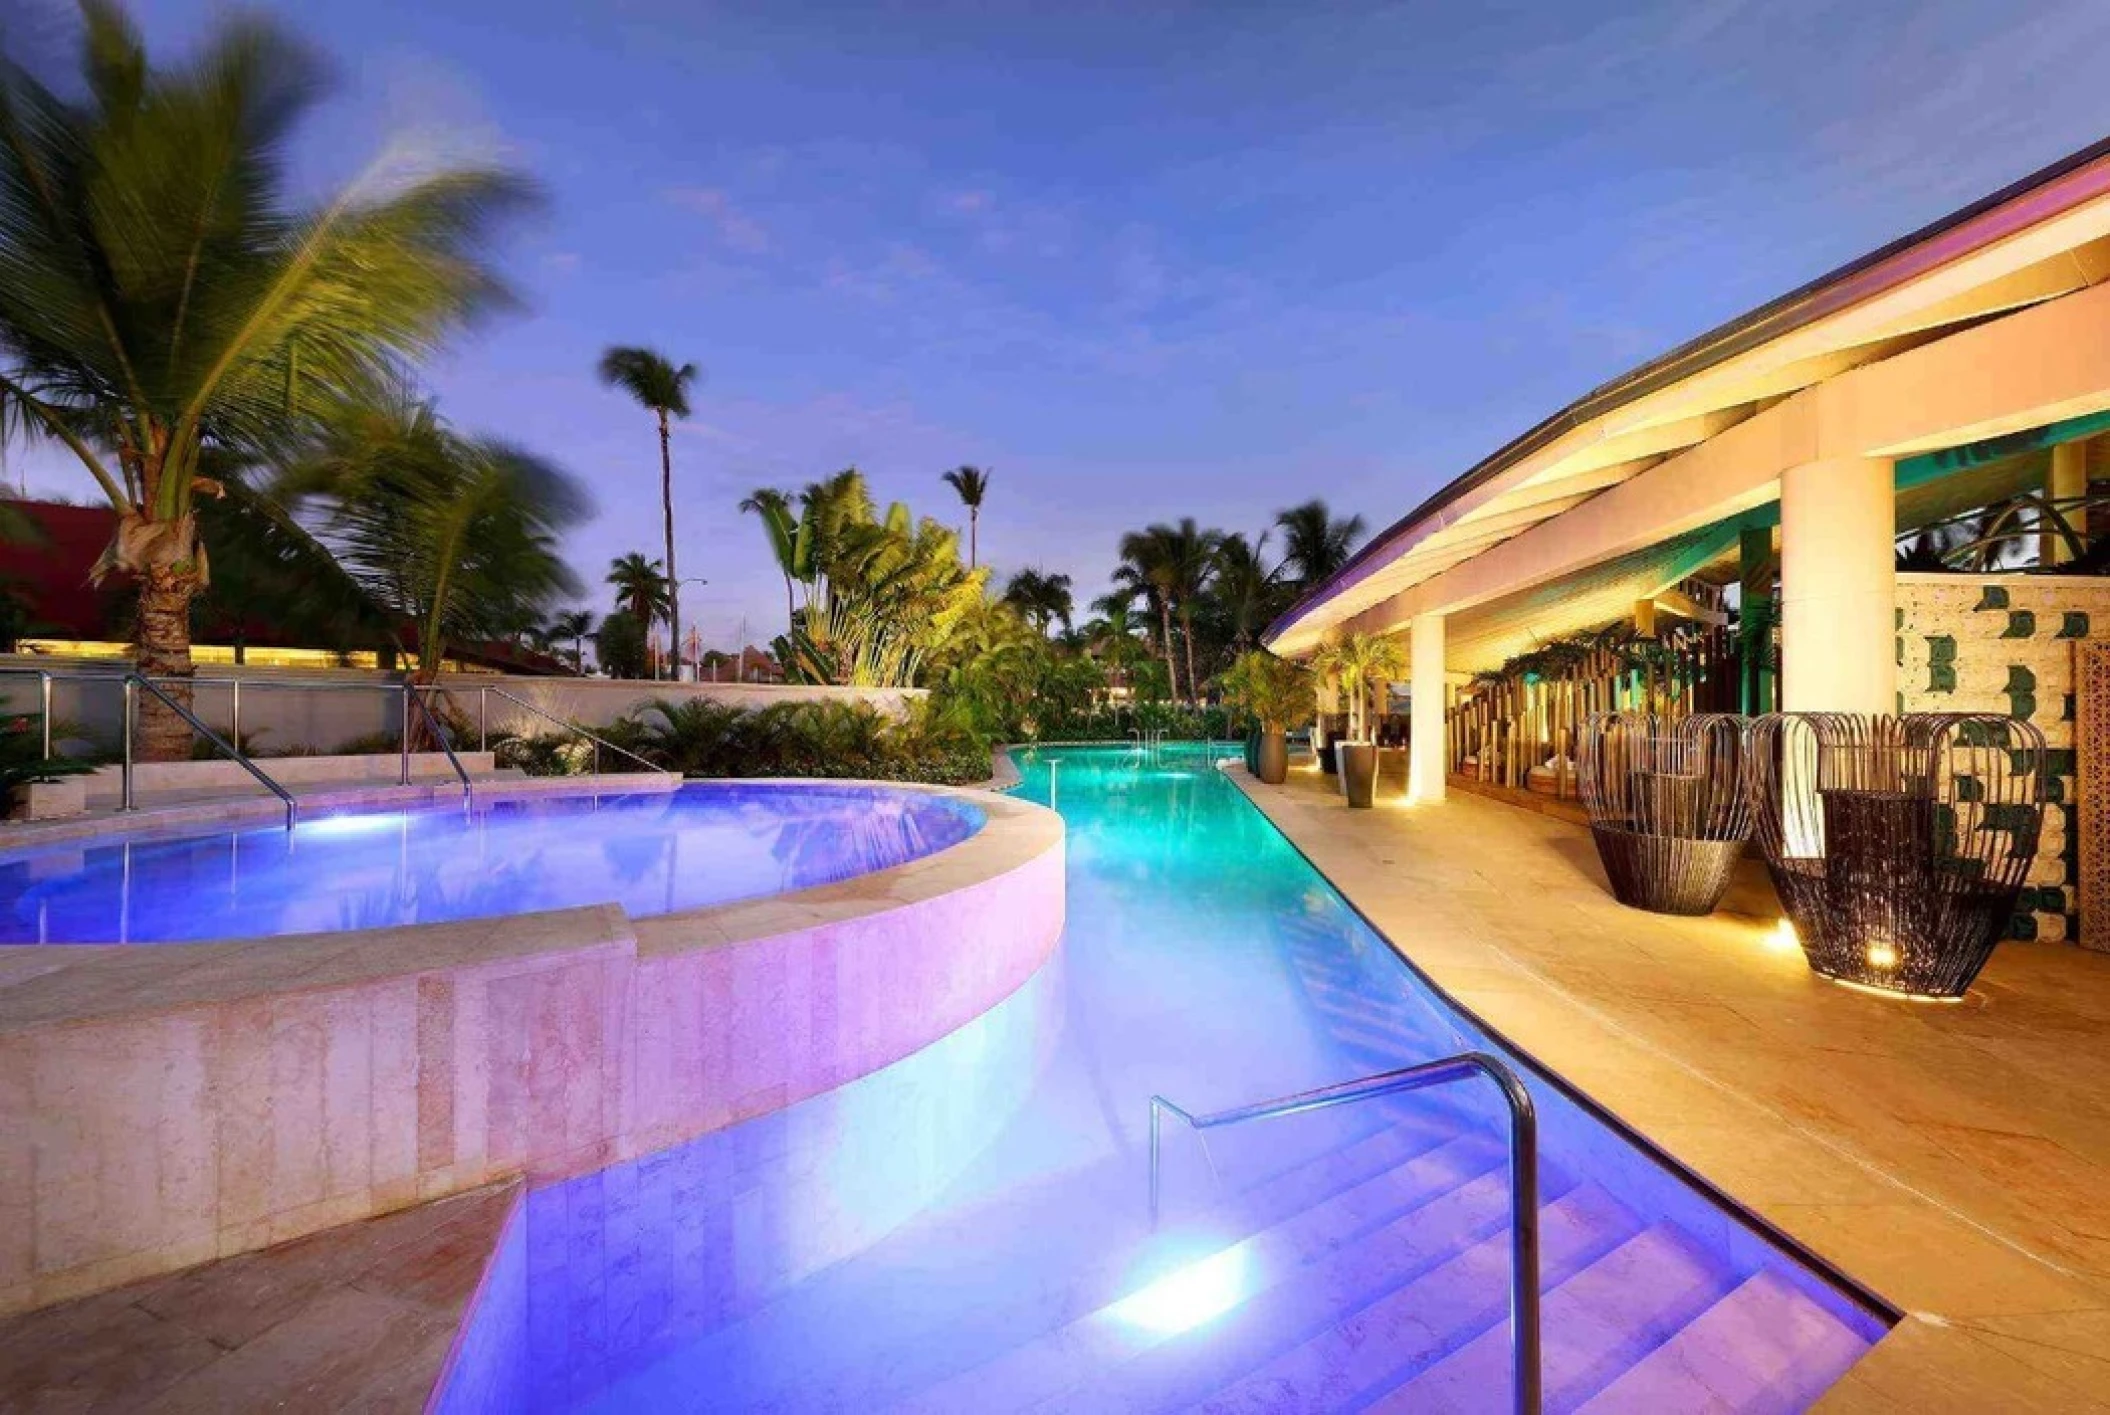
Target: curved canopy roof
(2043,238)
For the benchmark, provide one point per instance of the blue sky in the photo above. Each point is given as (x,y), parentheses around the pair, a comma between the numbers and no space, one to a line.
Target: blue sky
(1147,261)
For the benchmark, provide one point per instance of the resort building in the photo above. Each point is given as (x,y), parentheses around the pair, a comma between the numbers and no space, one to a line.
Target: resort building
(1769,467)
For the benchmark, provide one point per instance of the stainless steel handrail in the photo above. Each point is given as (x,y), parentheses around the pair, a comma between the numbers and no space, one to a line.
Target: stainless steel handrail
(414,692)
(1523,1176)
(134,681)
(574,728)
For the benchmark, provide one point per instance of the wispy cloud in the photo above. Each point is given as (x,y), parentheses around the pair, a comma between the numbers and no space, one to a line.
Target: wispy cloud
(735,228)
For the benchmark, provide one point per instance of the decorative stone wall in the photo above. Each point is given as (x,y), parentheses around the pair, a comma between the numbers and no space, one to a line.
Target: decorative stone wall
(2007,643)
(2093,725)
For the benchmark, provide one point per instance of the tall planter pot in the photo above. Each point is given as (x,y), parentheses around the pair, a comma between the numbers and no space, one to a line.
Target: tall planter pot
(1359,774)
(1252,752)
(1273,758)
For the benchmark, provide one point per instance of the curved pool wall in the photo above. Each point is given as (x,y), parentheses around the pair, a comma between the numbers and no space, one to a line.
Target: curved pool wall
(160,1106)
(693,1238)
(1206,960)
(660,852)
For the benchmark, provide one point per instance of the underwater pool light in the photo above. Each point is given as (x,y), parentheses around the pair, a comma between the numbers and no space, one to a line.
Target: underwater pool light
(352,825)
(1188,1296)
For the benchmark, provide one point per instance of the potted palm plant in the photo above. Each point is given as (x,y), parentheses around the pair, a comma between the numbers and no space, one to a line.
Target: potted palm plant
(1359,662)
(1276,694)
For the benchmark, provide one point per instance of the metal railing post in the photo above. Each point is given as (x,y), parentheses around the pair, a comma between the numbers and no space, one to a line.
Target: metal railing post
(44,709)
(1524,1323)
(405,739)
(483,719)
(131,696)
(234,712)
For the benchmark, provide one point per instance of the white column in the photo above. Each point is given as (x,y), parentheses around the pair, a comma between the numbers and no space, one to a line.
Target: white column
(1425,754)
(1838,586)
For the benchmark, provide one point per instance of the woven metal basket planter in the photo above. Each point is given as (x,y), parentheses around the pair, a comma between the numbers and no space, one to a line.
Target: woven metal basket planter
(1899,845)
(1668,805)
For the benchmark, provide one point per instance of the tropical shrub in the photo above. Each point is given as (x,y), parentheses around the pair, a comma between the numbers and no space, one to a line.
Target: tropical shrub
(701,738)
(619,645)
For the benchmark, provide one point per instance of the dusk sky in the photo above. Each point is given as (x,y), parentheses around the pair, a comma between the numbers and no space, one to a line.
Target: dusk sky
(1146,261)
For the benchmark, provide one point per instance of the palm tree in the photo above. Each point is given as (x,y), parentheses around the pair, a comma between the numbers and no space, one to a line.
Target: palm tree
(1358,662)
(1315,544)
(1247,591)
(640,588)
(972,483)
(1041,598)
(656,385)
(459,534)
(781,525)
(575,625)
(1133,580)
(163,295)
(1178,563)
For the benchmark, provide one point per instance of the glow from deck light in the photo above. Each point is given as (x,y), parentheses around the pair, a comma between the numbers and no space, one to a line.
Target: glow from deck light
(1781,938)
(1882,955)
(1187,1297)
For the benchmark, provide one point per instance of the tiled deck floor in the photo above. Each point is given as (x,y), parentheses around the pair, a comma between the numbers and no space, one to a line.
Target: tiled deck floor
(1954,1159)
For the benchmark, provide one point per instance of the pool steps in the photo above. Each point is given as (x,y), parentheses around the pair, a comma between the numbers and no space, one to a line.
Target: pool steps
(1408,1313)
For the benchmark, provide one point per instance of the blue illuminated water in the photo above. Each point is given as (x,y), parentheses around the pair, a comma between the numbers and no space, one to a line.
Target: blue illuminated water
(651,852)
(968,1231)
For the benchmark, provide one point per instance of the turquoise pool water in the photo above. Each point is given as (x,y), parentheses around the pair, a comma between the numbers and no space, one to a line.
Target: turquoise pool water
(651,852)
(968,1230)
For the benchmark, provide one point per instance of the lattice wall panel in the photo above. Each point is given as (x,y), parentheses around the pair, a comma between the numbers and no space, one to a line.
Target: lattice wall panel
(2092,786)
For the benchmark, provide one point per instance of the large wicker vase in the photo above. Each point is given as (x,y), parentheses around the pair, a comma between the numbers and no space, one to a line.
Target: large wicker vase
(1899,845)
(1359,773)
(1273,757)
(1668,807)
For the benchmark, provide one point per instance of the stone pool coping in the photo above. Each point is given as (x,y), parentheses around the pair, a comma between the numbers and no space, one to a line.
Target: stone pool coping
(1951,1160)
(262,808)
(165,1104)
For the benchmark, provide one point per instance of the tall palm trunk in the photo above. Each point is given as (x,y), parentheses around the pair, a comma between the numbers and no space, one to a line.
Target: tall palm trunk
(666,498)
(1194,687)
(1172,674)
(974,537)
(165,595)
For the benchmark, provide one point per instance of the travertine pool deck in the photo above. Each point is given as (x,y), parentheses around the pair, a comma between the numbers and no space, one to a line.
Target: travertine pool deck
(362,1317)
(1954,1160)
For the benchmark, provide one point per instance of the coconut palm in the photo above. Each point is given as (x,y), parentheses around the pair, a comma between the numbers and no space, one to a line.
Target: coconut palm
(657,386)
(162,294)
(458,534)
(1315,543)
(1041,597)
(640,588)
(575,625)
(781,524)
(972,484)
(1358,662)
(1178,562)
(1247,591)
(1134,579)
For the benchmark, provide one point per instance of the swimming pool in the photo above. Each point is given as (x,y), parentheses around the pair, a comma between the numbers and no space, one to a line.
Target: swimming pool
(651,852)
(967,1230)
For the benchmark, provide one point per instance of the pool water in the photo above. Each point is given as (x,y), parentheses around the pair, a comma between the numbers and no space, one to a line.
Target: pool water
(968,1230)
(651,852)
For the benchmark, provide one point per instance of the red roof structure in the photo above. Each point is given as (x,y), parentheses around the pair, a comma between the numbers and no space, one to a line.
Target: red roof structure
(48,576)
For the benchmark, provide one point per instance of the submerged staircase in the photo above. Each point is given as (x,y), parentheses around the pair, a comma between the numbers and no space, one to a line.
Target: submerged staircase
(1363,1264)
(1375,1277)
